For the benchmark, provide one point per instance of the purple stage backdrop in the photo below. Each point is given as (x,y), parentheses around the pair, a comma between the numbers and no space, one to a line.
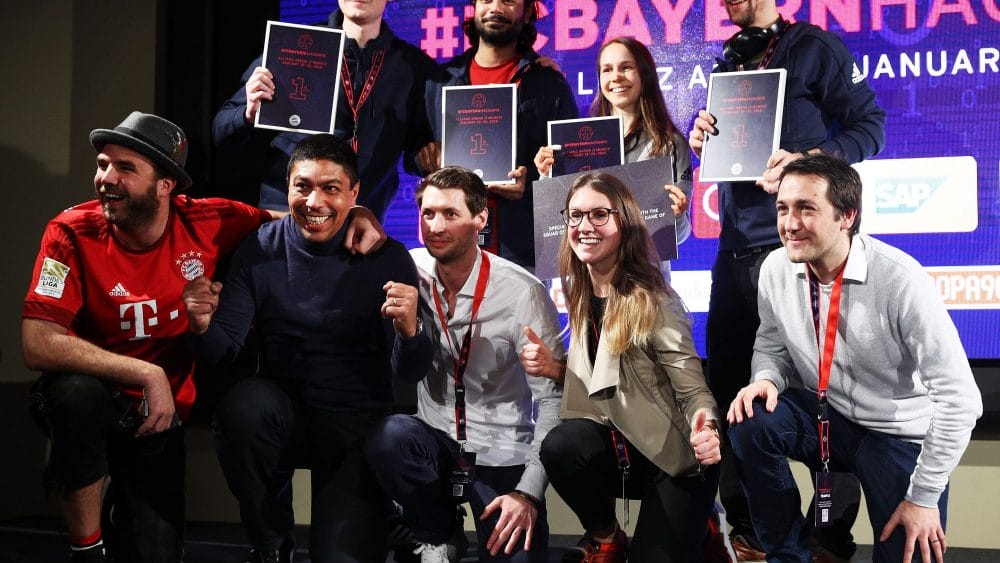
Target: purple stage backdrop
(935,65)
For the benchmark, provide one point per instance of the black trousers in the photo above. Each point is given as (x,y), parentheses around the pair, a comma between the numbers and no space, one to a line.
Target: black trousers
(91,429)
(580,459)
(263,433)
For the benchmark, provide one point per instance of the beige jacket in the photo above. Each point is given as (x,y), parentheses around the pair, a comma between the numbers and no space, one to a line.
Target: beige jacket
(650,394)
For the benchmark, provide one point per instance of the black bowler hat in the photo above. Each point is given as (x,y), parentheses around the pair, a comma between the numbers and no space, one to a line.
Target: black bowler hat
(153,137)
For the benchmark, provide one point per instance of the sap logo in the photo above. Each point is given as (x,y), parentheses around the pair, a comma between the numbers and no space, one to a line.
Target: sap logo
(904,195)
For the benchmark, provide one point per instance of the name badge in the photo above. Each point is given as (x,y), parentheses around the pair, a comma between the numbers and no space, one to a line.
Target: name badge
(824,500)
(461,475)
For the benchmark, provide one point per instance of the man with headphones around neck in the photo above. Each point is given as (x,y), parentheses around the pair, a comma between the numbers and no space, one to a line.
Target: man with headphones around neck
(829,108)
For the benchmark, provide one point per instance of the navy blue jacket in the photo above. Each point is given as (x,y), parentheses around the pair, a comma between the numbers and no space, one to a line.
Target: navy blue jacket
(392,122)
(317,313)
(543,95)
(828,104)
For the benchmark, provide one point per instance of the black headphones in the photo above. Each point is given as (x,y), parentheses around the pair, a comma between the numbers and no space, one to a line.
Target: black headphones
(751,42)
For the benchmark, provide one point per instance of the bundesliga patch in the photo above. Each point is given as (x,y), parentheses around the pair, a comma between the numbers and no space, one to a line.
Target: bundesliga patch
(52,278)
(190,265)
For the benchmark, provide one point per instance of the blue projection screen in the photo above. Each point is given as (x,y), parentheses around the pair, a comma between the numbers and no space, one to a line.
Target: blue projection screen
(935,65)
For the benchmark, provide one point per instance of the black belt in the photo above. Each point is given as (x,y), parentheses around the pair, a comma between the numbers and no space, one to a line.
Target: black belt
(739,253)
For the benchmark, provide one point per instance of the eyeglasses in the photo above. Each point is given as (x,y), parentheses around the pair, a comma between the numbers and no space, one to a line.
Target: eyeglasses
(597,216)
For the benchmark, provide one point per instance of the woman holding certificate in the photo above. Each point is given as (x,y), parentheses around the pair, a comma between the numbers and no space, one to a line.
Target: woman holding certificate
(629,88)
(638,418)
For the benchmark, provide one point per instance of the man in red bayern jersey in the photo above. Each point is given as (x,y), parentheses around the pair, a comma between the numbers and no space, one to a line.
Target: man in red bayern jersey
(104,321)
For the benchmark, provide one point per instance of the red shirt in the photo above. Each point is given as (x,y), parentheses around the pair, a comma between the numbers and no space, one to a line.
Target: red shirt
(479,75)
(129,302)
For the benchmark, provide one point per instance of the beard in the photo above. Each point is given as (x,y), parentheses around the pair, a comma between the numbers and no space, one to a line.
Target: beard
(499,38)
(136,213)
(744,16)
(452,253)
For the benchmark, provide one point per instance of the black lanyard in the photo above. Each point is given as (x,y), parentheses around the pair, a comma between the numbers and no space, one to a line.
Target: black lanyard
(461,362)
(617,438)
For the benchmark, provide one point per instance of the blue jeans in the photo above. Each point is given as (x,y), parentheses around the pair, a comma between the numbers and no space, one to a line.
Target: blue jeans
(762,444)
(410,458)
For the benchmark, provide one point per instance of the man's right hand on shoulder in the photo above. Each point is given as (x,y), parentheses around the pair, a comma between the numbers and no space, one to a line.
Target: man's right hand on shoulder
(742,405)
(704,125)
(364,233)
(259,87)
(201,299)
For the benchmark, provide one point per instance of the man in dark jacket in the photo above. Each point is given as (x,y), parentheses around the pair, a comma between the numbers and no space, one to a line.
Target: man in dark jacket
(389,123)
(829,108)
(502,33)
(333,329)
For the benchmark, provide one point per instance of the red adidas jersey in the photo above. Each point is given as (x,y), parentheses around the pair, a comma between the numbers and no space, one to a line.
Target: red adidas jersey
(129,302)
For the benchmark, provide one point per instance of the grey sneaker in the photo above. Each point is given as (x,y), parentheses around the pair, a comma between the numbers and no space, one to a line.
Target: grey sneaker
(432,553)
(408,548)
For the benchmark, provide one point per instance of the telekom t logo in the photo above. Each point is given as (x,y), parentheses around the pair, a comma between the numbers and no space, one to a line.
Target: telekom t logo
(705,208)
(139,314)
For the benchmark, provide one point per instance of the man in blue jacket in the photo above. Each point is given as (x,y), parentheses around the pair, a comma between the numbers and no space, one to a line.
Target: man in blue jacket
(333,328)
(829,108)
(388,123)
(502,33)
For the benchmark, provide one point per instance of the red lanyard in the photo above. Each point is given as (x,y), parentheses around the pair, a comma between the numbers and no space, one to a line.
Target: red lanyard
(461,362)
(772,46)
(826,359)
(366,89)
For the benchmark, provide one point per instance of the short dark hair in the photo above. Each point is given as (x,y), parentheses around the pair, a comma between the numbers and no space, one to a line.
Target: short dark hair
(456,178)
(326,147)
(526,39)
(843,184)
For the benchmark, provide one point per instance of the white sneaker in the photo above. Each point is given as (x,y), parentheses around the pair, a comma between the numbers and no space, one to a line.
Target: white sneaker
(432,553)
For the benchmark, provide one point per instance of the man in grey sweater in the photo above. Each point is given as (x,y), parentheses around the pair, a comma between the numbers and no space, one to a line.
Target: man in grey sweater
(857,367)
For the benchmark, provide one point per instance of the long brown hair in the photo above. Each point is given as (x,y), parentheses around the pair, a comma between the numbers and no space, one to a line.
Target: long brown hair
(637,285)
(654,118)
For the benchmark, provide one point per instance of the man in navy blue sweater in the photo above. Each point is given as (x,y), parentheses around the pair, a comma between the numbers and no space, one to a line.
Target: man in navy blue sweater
(829,108)
(334,327)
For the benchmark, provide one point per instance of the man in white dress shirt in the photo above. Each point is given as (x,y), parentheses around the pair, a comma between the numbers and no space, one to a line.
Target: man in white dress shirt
(480,444)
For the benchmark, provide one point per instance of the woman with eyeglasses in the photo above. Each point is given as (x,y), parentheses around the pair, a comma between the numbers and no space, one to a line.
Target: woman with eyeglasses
(638,419)
(629,87)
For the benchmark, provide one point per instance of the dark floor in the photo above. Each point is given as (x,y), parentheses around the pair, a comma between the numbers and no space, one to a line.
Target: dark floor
(41,540)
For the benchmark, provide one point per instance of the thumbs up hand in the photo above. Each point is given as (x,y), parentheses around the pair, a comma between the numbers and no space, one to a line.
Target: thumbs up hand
(705,439)
(537,358)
